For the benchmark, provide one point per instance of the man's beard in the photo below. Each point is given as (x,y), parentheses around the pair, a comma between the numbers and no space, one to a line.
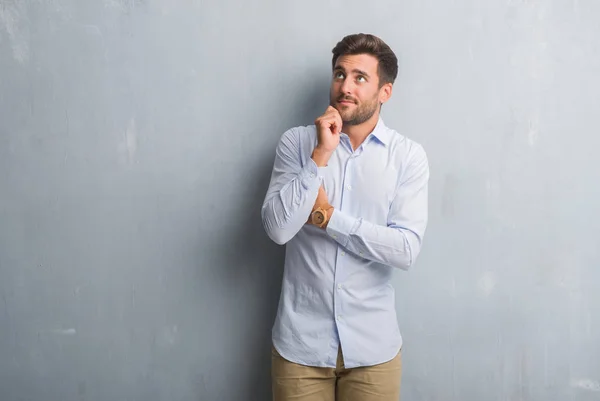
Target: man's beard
(361,114)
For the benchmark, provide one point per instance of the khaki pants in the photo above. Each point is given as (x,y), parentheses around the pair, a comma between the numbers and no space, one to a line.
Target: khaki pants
(295,382)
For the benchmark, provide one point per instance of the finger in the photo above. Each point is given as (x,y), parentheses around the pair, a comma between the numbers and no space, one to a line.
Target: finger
(334,114)
(338,116)
(326,120)
(329,122)
(338,121)
(335,128)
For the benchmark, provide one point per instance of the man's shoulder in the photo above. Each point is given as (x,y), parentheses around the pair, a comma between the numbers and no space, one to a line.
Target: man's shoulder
(302,129)
(403,142)
(300,133)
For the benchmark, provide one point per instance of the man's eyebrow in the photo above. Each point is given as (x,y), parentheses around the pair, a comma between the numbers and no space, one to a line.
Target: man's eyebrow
(356,71)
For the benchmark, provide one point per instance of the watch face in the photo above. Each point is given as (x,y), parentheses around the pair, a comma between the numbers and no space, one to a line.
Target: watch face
(319,217)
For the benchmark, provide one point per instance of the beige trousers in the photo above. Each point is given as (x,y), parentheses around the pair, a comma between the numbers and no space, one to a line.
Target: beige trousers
(293,382)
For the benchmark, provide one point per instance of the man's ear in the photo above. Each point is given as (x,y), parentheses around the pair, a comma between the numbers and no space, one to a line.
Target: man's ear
(385,93)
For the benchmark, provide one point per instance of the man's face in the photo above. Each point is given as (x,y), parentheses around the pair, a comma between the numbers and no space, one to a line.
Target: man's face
(355,91)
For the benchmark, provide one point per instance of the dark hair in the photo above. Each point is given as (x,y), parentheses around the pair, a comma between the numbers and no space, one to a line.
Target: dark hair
(362,43)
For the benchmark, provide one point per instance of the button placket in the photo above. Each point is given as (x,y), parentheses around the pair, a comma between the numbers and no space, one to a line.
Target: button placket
(345,186)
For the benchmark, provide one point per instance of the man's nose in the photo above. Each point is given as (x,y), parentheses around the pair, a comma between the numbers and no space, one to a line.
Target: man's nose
(346,86)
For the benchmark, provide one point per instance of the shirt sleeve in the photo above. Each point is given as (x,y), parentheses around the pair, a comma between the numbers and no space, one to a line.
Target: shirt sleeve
(292,191)
(399,242)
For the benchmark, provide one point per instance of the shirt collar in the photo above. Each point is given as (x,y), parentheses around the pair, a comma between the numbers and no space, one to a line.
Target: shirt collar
(381,133)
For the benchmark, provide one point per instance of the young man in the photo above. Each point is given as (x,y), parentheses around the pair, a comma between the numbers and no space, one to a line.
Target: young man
(348,197)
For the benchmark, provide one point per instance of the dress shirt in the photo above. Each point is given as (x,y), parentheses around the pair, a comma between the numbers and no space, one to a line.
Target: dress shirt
(336,288)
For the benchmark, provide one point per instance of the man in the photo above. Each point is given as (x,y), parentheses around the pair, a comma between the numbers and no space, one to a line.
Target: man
(348,197)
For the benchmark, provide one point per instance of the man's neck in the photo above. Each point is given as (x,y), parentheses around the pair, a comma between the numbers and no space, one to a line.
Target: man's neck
(358,133)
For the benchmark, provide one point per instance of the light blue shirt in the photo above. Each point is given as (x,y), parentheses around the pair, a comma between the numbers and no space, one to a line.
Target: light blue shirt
(336,287)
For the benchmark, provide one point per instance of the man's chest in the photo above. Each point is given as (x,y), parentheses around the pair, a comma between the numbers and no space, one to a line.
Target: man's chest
(363,184)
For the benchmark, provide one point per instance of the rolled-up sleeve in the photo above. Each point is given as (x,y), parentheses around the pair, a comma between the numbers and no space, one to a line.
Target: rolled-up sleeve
(292,191)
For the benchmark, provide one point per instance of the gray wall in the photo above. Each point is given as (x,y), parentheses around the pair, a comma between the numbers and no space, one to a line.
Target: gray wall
(136,142)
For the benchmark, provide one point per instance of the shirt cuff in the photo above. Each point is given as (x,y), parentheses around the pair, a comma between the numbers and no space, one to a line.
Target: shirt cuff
(310,172)
(341,226)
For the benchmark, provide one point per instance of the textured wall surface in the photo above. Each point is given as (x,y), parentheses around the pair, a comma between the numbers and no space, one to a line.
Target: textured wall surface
(136,143)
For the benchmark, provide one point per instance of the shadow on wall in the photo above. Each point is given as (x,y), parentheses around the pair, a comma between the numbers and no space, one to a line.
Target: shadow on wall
(256,266)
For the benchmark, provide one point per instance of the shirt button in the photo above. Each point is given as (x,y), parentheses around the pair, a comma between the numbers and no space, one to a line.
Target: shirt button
(343,253)
(339,286)
(349,187)
(312,175)
(339,317)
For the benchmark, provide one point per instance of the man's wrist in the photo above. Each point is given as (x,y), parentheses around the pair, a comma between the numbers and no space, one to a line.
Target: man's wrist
(321,156)
(329,212)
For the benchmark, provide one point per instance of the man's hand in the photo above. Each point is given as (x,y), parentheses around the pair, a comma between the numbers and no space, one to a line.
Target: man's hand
(329,126)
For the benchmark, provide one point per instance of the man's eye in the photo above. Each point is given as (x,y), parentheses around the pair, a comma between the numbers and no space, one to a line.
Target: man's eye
(339,75)
(361,79)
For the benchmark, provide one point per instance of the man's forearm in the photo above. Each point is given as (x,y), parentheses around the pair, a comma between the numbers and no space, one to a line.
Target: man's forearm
(392,246)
